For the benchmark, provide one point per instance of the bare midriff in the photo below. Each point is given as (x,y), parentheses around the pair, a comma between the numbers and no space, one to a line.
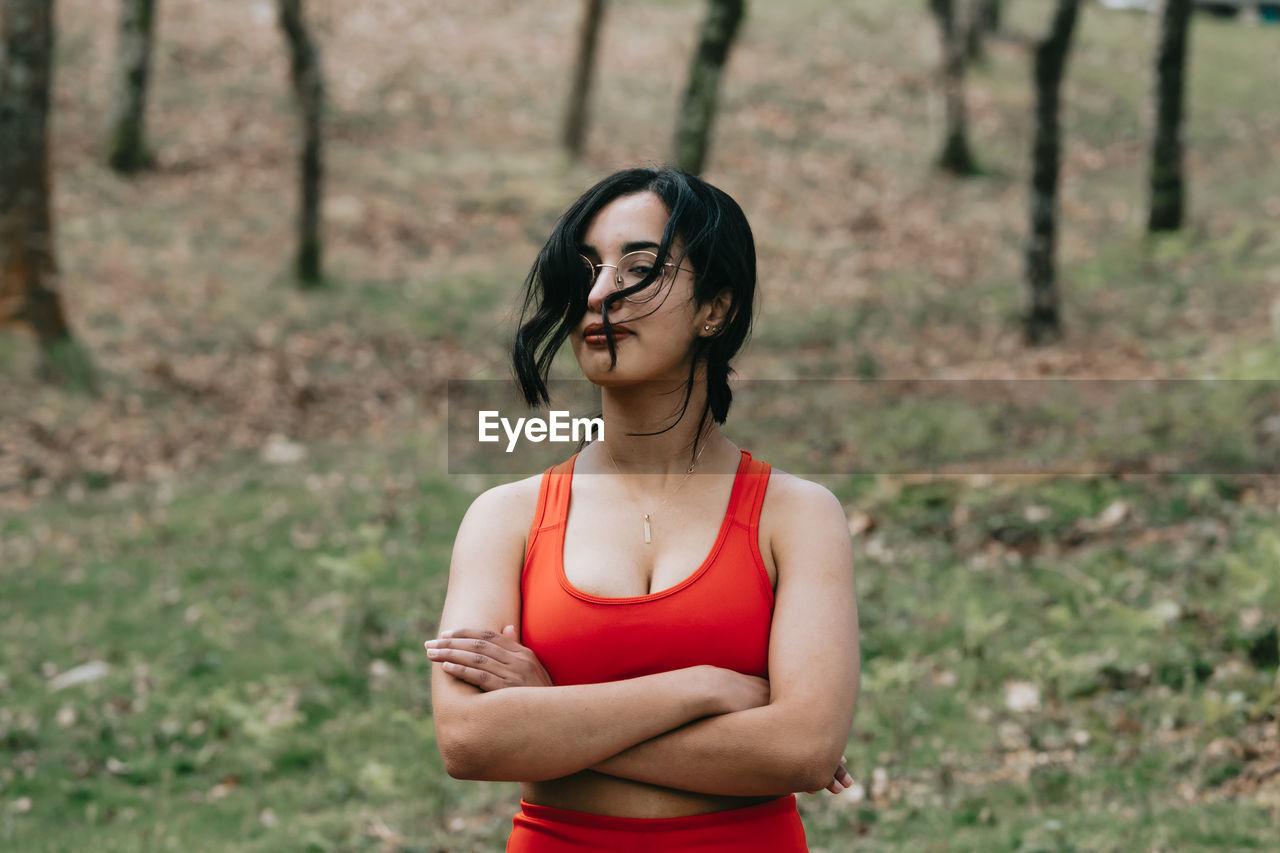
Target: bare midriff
(598,793)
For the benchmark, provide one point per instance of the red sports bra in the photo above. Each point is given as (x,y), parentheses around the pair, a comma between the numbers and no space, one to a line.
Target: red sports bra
(719,615)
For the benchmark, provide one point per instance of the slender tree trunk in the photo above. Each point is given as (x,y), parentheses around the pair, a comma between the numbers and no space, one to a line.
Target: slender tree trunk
(1166,149)
(990,13)
(308,86)
(575,122)
(127,150)
(28,269)
(975,29)
(956,156)
(1042,321)
(693,127)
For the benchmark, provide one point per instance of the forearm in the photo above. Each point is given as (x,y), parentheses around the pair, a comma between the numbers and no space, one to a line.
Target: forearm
(758,752)
(531,734)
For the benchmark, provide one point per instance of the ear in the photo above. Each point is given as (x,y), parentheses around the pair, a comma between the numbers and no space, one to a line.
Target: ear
(717,313)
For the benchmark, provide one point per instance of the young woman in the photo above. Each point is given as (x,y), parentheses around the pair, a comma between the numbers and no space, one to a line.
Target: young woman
(658,637)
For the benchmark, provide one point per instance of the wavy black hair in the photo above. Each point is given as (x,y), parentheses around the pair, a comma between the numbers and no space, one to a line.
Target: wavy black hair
(716,240)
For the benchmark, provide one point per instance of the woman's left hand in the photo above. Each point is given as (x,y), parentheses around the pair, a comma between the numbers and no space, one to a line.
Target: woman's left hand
(487,659)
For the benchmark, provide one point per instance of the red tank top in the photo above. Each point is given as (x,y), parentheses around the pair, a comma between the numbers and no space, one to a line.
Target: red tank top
(719,615)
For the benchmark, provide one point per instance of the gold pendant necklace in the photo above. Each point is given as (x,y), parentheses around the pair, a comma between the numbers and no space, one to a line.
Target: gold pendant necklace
(648,529)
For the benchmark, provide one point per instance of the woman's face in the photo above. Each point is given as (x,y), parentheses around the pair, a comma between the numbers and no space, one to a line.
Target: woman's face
(654,339)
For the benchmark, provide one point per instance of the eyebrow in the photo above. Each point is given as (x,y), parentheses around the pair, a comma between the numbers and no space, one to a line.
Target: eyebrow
(627,248)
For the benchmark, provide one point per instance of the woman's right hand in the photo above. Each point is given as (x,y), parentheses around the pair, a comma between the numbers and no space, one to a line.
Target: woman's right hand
(735,691)
(841,780)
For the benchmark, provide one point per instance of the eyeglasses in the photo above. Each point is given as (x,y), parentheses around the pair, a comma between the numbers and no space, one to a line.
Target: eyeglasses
(633,269)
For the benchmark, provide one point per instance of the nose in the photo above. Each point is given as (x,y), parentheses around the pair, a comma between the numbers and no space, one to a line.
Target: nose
(601,286)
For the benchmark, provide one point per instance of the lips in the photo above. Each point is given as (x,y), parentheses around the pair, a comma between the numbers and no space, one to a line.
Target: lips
(594,334)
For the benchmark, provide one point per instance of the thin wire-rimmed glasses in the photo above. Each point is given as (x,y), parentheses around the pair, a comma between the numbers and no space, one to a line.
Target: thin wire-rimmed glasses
(632,269)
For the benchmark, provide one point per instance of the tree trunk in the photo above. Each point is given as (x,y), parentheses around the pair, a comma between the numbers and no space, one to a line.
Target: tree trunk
(956,156)
(1166,148)
(975,29)
(989,12)
(127,150)
(693,127)
(28,270)
(575,123)
(1042,321)
(308,86)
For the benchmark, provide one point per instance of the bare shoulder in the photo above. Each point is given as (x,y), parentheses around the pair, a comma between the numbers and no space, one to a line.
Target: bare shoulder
(789,495)
(801,517)
(504,511)
(518,499)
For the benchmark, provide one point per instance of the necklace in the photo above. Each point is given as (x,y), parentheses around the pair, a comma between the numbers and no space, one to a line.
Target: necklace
(648,530)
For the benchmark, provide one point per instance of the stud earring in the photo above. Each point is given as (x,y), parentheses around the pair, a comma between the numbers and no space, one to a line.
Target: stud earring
(706,328)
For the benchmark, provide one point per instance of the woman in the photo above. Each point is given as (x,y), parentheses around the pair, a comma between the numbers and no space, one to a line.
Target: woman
(642,617)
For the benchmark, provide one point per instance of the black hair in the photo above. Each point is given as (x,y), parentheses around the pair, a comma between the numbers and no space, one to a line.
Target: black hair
(718,244)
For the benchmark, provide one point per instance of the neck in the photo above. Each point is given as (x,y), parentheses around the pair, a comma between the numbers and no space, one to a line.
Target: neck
(652,407)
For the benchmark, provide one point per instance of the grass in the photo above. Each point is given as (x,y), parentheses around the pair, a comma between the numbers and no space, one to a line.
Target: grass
(1050,663)
(1147,643)
(332,570)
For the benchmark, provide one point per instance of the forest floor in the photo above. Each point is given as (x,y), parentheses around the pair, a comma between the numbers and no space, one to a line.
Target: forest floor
(1051,663)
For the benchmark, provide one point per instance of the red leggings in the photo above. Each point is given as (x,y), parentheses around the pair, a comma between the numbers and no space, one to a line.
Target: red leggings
(772,827)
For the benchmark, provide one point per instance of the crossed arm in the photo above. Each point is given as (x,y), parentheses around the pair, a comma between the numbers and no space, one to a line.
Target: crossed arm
(701,729)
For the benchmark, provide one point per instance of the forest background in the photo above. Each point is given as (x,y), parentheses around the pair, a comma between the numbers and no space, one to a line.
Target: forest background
(218,562)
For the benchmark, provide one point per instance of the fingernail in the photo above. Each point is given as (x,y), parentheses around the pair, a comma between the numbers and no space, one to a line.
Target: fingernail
(446,634)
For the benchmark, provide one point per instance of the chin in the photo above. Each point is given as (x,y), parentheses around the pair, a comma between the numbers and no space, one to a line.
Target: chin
(594,364)
(620,377)
(600,374)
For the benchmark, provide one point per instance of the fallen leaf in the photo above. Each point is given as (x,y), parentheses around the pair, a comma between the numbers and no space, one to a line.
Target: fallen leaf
(860,523)
(82,674)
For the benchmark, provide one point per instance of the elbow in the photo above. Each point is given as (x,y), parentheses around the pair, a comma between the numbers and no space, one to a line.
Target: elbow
(790,773)
(464,761)
(461,752)
(459,768)
(468,755)
(811,777)
(814,767)
(460,761)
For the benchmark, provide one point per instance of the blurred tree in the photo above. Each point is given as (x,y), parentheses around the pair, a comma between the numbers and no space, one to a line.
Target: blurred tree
(127,150)
(956,156)
(990,13)
(697,112)
(575,122)
(1166,148)
(28,271)
(975,29)
(308,86)
(1042,321)
(982,18)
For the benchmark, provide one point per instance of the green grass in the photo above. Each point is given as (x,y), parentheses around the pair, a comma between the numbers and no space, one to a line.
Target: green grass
(263,632)
(267,688)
